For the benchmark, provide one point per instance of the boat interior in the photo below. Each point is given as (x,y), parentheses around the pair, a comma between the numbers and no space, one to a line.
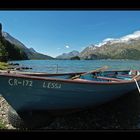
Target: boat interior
(103,76)
(107,76)
(98,76)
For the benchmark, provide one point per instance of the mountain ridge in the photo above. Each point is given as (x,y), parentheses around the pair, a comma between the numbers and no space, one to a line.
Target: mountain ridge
(125,47)
(68,55)
(31,53)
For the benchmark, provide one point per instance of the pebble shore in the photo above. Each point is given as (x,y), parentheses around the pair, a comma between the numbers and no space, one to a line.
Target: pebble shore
(120,114)
(3,113)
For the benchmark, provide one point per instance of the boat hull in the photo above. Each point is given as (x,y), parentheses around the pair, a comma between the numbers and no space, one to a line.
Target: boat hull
(25,93)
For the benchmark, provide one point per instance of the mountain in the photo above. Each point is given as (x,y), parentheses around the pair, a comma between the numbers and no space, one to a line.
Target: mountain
(12,40)
(126,47)
(9,51)
(32,50)
(68,55)
(31,53)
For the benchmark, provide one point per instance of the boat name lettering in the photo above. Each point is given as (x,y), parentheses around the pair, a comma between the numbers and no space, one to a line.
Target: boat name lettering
(51,85)
(16,82)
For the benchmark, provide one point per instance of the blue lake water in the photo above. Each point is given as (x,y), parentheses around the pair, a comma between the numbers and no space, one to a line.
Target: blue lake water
(60,66)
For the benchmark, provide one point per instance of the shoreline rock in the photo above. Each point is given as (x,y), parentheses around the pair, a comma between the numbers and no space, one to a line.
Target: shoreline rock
(22,68)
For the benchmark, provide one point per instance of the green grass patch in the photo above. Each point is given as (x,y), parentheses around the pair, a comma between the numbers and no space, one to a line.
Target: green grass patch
(3,66)
(2,125)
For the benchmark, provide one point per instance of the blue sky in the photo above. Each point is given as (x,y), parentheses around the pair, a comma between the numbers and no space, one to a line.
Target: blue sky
(56,32)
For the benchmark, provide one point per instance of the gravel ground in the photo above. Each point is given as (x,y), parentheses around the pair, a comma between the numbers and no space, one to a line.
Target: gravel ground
(3,113)
(123,113)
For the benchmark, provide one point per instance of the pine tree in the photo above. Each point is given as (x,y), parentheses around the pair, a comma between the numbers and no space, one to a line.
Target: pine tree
(3,53)
(0,30)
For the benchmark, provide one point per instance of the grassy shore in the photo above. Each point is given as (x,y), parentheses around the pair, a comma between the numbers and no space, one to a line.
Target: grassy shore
(4,66)
(2,125)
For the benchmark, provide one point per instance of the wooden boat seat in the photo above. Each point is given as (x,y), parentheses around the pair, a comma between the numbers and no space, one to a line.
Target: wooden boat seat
(111,79)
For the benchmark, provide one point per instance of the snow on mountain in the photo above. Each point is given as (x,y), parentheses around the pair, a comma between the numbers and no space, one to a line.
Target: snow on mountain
(105,41)
(135,35)
(124,39)
(126,47)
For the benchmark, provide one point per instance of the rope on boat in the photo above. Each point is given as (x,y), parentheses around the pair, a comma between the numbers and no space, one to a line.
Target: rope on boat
(137,84)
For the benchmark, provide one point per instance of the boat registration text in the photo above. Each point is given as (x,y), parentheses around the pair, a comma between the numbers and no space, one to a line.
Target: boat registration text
(29,83)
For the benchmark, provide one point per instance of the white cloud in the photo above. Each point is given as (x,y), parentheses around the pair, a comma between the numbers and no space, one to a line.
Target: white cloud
(135,35)
(131,36)
(105,41)
(108,39)
(67,46)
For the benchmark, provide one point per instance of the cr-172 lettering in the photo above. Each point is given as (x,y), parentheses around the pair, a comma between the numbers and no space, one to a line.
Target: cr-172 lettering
(17,82)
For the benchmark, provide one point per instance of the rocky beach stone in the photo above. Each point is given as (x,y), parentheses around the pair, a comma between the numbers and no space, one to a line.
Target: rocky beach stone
(123,113)
(3,113)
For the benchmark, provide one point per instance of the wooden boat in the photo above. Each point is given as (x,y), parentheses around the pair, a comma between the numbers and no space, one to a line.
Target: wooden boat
(32,92)
(62,91)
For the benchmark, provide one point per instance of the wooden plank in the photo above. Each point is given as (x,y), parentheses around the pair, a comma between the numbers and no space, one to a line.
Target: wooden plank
(110,79)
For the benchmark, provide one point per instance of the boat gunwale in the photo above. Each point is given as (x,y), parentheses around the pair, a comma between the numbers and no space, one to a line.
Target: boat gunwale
(67,80)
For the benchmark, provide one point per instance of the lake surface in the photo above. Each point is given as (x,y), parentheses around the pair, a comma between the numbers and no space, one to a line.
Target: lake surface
(60,66)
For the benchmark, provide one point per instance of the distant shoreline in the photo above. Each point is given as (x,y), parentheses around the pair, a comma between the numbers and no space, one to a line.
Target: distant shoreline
(72,60)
